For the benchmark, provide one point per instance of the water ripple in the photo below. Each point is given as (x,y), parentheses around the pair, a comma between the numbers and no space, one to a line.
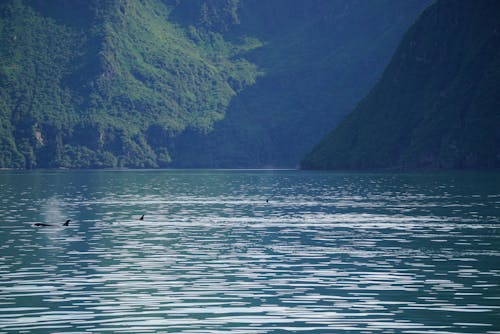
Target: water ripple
(329,253)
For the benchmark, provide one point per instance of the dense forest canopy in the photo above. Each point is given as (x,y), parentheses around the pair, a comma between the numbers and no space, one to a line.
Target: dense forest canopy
(92,83)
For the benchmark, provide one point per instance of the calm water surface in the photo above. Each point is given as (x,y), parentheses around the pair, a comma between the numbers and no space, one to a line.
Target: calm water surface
(329,253)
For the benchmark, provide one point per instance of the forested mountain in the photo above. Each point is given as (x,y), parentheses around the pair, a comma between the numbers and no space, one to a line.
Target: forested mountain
(155,83)
(107,83)
(437,104)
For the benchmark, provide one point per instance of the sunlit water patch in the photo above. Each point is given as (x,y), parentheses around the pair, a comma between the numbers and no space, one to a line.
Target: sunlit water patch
(326,253)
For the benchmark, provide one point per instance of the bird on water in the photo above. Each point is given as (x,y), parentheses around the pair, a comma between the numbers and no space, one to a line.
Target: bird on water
(43,224)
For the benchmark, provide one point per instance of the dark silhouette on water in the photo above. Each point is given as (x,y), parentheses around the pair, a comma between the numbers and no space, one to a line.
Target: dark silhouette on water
(142,217)
(43,224)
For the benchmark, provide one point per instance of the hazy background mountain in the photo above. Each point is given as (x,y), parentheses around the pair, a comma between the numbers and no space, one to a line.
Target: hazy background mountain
(437,104)
(318,59)
(185,82)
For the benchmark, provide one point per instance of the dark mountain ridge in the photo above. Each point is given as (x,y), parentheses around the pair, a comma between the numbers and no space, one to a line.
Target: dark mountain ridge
(436,105)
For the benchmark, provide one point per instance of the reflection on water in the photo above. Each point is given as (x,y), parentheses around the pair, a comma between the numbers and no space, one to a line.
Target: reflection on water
(330,252)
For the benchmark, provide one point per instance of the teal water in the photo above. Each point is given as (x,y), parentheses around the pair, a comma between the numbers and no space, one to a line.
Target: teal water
(329,253)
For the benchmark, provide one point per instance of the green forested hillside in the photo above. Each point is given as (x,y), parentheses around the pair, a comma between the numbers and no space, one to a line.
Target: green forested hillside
(212,83)
(437,103)
(101,84)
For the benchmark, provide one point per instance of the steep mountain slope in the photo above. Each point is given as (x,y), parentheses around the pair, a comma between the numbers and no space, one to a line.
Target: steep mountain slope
(233,83)
(92,83)
(319,57)
(436,105)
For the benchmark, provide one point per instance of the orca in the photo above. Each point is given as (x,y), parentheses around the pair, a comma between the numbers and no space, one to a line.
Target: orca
(43,224)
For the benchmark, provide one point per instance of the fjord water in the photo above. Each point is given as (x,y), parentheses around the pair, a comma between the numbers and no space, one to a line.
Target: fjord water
(329,252)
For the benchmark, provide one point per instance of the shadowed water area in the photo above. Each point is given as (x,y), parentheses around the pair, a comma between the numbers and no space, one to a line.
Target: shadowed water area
(329,252)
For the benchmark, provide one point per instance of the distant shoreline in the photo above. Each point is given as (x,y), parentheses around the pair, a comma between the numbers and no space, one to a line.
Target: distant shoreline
(360,171)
